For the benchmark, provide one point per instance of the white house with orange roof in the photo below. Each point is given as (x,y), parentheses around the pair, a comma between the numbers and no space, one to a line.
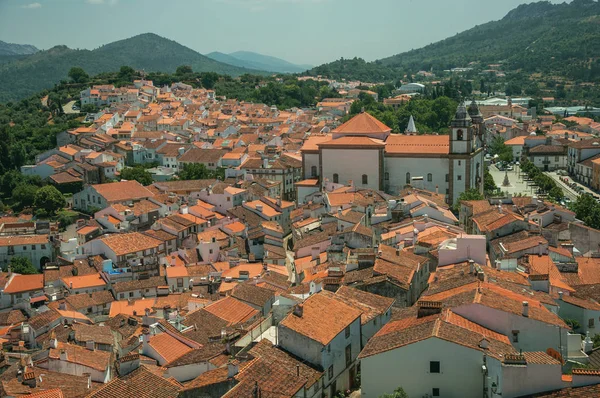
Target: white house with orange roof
(363,152)
(326,332)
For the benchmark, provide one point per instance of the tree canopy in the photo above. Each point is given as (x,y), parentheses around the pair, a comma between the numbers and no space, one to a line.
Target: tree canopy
(49,199)
(78,75)
(137,173)
(21,265)
(587,209)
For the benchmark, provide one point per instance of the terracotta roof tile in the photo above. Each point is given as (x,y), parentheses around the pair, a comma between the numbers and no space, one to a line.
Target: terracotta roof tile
(363,123)
(231,310)
(314,325)
(140,383)
(168,346)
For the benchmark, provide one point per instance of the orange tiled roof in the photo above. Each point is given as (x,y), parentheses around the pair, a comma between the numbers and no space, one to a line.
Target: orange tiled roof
(25,283)
(231,310)
(314,325)
(418,144)
(363,123)
(168,346)
(80,282)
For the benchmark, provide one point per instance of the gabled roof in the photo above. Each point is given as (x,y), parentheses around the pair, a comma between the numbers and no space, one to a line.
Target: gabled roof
(446,326)
(141,383)
(317,327)
(232,310)
(122,191)
(363,123)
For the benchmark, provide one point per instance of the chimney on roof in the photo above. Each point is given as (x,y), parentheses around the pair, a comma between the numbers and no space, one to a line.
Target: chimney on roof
(437,190)
(232,370)
(398,252)
(90,345)
(471,266)
(560,295)
(256,391)
(63,355)
(587,345)
(525,309)
(298,310)
(29,379)
(427,308)
(62,306)
(500,208)
(540,248)
(315,253)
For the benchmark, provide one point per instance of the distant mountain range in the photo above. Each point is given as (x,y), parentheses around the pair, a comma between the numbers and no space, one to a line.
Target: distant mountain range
(26,76)
(16,49)
(537,37)
(251,60)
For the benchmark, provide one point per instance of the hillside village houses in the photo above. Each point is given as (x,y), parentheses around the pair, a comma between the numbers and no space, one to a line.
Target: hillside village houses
(317,258)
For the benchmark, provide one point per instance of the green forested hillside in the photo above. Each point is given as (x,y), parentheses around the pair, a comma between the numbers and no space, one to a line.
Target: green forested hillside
(25,76)
(537,37)
(16,49)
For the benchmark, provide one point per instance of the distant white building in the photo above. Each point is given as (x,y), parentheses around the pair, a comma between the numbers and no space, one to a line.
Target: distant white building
(412,88)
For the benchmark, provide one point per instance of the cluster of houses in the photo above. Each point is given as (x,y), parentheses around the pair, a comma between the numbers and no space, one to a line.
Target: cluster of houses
(326,260)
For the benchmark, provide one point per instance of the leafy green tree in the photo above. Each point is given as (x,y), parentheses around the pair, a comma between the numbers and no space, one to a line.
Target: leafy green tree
(398,393)
(78,75)
(138,174)
(469,194)
(195,171)
(556,193)
(24,195)
(49,199)
(209,79)
(21,265)
(489,185)
(89,108)
(184,70)
(498,147)
(587,210)
(126,73)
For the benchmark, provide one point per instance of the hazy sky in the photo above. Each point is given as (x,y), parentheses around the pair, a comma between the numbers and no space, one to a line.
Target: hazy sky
(301,31)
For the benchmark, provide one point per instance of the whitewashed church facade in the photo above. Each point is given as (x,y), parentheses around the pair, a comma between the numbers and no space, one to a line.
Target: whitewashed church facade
(364,151)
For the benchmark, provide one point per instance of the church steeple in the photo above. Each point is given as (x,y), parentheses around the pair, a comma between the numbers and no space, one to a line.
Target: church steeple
(461,117)
(411,128)
(474,112)
(461,131)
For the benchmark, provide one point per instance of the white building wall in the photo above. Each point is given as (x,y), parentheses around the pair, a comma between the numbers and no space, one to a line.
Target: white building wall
(518,381)
(533,335)
(460,170)
(351,164)
(417,167)
(310,159)
(56,365)
(588,319)
(408,367)
(189,372)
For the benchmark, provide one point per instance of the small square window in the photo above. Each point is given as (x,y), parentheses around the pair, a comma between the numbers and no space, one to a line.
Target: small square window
(434,367)
(130,294)
(435,392)
(591,323)
(515,336)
